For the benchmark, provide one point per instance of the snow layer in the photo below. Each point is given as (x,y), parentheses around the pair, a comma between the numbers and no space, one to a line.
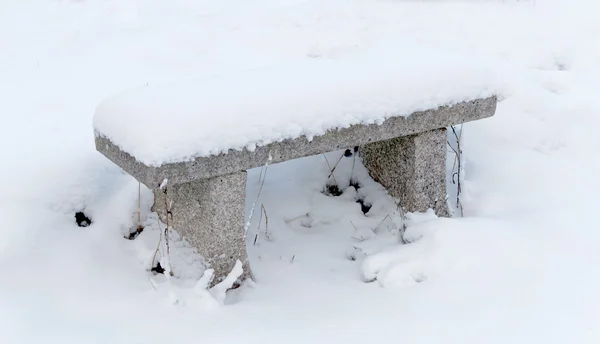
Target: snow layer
(171,123)
(520,267)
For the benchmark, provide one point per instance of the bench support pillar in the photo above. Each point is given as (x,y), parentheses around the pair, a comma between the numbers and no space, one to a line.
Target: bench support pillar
(209,214)
(412,168)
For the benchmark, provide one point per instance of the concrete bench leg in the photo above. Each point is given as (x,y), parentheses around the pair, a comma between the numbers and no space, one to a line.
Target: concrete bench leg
(412,168)
(210,215)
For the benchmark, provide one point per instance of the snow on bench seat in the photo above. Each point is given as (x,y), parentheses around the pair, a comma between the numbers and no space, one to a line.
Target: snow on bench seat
(164,124)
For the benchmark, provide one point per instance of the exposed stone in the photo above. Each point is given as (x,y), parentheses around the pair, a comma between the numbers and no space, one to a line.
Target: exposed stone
(412,168)
(209,213)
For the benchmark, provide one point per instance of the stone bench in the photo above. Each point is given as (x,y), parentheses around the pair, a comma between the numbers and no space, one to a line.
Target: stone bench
(406,154)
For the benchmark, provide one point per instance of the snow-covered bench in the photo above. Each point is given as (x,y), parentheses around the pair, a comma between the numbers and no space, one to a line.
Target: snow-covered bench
(201,137)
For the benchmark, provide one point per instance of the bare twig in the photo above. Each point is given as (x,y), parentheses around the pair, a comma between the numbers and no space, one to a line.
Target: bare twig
(296,218)
(403,229)
(139,209)
(458,141)
(259,222)
(385,218)
(247,225)
(151,283)
(356,229)
(159,240)
(353,162)
(328,165)
(361,239)
(457,158)
(454,150)
(334,167)
(263,209)
(261,173)
(168,211)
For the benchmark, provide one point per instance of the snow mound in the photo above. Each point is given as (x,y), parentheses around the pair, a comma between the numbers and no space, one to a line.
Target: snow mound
(181,121)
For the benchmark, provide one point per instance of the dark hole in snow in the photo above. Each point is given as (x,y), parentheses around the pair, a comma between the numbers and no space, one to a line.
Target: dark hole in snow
(332,190)
(82,220)
(363,206)
(355,184)
(135,233)
(348,153)
(355,149)
(352,257)
(158,269)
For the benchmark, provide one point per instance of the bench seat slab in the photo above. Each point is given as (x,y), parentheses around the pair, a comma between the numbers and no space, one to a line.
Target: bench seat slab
(274,152)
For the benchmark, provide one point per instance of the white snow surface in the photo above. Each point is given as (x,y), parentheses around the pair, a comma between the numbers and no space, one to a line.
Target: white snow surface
(521,266)
(179,122)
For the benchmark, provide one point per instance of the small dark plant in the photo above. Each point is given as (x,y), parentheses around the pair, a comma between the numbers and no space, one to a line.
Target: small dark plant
(82,220)
(158,269)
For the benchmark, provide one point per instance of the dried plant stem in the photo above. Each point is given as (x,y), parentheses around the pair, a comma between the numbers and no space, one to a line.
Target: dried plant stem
(259,222)
(353,163)
(457,174)
(263,209)
(330,169)
(403,229)
(168,208)
(458,143)
(139,209)
(159,241)
(168,212)
(381,222)
(266,166)
(261,173)
(334,166)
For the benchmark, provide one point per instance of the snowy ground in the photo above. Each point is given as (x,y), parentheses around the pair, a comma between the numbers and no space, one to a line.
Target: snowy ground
(520,267)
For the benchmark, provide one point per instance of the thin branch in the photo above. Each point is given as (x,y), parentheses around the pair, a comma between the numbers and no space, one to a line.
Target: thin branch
(139,209)
(263,209)
(353,162)
(380,223)
(151,283)
(261,173)
(159,240)
(457,140)
(258,228)
(247,225)
(454,150)
(456,175)
(168,211)
(334,167)
(296,218)
(328,165)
